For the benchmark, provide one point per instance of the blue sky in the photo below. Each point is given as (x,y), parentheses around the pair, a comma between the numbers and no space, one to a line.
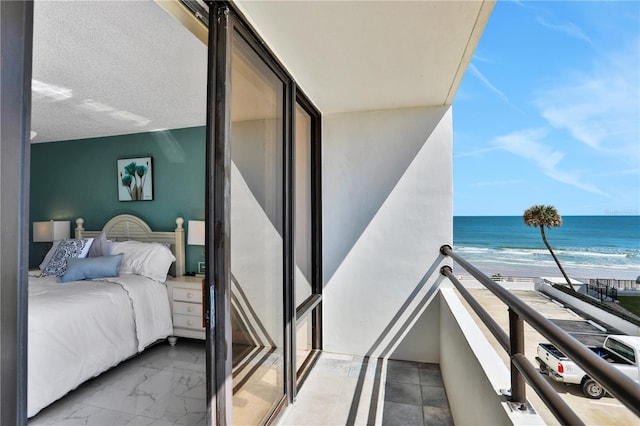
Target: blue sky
(548,111)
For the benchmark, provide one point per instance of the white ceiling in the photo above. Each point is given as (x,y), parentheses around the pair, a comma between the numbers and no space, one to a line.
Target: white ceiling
(368,55)
(117,67)
(112,67)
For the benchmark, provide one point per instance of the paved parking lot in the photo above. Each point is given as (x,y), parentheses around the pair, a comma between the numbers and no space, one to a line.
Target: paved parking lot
(606,411)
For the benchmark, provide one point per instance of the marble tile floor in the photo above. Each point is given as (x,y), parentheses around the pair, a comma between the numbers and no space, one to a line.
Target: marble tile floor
(164,385)
(351,390)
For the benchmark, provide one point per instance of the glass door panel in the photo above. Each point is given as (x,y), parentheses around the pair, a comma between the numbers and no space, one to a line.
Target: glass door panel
(305,297)
(304,261)
(304,341)
(257,227)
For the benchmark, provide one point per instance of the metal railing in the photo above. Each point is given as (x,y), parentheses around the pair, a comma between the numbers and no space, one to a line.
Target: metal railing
(619,284)
(522,370)
(602,291)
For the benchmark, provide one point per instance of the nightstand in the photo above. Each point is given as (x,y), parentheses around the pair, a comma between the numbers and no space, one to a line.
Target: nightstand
(185,299)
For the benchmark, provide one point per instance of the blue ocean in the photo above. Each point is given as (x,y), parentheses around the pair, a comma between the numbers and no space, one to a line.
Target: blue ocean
(586,246)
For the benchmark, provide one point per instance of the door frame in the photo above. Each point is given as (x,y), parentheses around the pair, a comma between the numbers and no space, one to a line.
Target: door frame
(17,42)
(224,19)
(16,37)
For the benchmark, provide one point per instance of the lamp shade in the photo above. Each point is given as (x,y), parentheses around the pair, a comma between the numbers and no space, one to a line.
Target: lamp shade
(195,235)
(51,230)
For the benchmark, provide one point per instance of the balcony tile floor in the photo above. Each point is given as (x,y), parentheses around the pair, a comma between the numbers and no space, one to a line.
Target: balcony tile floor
(346,390)
(165,386)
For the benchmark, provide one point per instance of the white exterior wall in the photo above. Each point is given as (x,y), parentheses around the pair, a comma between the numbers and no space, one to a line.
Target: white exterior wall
(472,372)
(387,209)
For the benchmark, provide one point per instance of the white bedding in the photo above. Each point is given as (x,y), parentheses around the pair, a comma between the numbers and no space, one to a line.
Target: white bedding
(79,329)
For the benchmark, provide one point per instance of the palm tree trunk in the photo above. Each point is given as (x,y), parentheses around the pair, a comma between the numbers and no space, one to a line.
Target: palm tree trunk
(564,274)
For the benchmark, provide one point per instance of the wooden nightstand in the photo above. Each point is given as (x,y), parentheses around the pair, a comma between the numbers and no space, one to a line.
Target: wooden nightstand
(185,299)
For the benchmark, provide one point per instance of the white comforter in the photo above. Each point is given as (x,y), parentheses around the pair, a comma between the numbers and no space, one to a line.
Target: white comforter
(78,330)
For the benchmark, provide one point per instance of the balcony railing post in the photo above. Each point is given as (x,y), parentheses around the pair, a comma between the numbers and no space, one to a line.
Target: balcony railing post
(616,383)
(516,334)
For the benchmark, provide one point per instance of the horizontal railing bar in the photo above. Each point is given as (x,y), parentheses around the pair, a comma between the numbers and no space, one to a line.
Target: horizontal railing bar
(559,408)
(616,383)
(501,336)
(307,306)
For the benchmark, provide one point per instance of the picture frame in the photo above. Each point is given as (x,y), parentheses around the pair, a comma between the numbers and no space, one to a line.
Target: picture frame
(135,179)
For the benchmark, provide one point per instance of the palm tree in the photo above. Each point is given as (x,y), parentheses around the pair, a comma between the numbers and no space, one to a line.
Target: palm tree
(545,216)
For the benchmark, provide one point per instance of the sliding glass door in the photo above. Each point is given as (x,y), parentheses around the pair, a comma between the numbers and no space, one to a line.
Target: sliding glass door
(257,235)
(303,240)
(263,227)
(307,230)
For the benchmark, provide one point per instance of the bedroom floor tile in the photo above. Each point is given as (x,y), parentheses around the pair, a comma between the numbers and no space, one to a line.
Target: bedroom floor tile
(162,386)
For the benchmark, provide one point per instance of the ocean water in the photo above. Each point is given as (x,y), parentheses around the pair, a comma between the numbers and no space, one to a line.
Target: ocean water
(586,246)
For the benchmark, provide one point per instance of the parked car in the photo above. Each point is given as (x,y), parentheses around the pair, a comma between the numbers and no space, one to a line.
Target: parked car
(623,352)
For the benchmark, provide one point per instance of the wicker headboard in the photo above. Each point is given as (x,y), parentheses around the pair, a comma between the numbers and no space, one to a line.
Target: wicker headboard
(128,227)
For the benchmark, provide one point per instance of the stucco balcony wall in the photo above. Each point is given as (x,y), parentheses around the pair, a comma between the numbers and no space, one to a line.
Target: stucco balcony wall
(472,372)
(387,208)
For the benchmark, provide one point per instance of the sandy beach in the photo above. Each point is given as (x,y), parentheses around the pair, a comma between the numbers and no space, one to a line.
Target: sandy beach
(542,270)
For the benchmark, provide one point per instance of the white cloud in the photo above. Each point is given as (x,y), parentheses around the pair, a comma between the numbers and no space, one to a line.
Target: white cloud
(526,144)
(498,182)
(568,28)
(621,172)
(475,152)
(480,58)
(599,107)
(485,81)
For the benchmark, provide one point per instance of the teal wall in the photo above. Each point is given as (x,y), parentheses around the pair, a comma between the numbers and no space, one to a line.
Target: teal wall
(79,178)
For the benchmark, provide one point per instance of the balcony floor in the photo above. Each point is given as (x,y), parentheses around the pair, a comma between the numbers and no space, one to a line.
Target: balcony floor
(346,389)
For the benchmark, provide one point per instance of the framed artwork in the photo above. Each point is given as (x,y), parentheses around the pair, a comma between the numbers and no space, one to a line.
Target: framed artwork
(135,179)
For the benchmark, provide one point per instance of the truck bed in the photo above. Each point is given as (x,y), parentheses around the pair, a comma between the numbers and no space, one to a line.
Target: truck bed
(558,367)
(553,351)
(601,351)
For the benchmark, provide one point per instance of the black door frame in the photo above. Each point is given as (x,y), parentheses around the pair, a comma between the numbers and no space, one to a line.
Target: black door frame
(219,380)
(16,37)
(224,21)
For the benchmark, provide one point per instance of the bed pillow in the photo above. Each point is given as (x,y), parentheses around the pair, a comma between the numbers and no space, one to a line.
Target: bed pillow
(91,267)
(100,246)
(151,260)
(64,250)
(49,255)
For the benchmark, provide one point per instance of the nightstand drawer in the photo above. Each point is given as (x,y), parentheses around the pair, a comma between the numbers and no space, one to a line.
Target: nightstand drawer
(185,298)
(187,295)
(194,309)
(187,321)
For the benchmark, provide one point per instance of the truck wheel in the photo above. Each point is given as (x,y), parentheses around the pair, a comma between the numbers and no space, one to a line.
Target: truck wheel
(592,389)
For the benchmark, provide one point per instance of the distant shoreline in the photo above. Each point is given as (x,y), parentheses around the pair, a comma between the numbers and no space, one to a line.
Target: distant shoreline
(624,214)
(535,271)
(606,247)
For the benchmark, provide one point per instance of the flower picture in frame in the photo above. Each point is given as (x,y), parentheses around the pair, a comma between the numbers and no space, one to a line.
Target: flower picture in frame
(135,179)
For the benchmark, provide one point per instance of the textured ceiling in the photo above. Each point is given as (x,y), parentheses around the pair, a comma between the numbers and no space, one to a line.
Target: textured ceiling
(112,67)
(117,67)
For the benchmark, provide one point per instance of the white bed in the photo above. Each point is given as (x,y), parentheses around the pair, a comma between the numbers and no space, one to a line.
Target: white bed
(80,329)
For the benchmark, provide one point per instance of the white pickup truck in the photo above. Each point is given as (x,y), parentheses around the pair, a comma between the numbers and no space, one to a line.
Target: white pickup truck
(623,352)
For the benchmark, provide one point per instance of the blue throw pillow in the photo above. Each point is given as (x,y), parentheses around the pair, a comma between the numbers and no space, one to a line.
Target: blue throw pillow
(89,268)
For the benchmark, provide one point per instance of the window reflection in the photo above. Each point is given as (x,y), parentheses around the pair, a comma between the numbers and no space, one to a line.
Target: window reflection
(256,236)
